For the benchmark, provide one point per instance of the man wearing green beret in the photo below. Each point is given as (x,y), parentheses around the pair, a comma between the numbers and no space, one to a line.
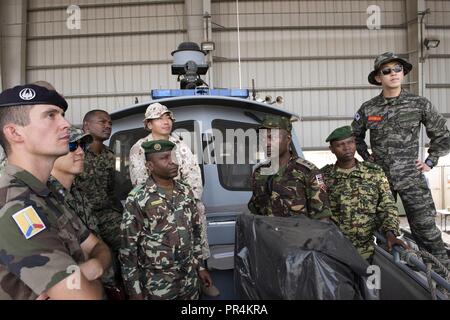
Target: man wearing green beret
(296,187)
(161,251)
(360,197)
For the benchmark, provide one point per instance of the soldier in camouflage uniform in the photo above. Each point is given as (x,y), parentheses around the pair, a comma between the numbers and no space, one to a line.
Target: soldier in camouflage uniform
(360,198)
(159,120)
(41,242)
(296,188)
(97,179)
(161,252)
(60,183)
(394,119)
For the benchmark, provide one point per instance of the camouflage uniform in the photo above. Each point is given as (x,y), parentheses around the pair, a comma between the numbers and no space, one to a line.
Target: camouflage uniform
(188,170)
(76,201)
(394,125)
(361,203)
(295,189)
(29,267)
(161,243)
(97,183)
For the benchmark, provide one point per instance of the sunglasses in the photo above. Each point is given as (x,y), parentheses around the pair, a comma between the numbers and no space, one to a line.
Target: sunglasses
(398,68)
(74,145)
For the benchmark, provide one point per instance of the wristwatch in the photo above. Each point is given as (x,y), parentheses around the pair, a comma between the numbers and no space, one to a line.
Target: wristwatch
(429,163)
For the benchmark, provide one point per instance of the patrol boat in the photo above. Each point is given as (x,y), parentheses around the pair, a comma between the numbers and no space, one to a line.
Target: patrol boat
(202,114)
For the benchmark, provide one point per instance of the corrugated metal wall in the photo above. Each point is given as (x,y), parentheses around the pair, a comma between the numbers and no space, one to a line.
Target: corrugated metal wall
(121,52)
(316,54)
(437,65)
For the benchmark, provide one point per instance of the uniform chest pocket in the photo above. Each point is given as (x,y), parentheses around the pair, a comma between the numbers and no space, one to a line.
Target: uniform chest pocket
(158,244)
(408,120)
(376,123)
(367,199)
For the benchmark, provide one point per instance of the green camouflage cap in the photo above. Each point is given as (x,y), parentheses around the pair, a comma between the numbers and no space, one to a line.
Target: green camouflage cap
(76,134)
(383,59)
(276,122)
(340,134)
(156,146)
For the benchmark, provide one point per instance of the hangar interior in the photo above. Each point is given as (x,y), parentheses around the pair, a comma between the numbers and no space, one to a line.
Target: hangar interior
(314,54)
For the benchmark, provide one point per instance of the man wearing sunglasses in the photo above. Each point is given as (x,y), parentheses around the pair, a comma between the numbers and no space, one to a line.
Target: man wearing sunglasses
(394,120)
(43,245)
(64,171)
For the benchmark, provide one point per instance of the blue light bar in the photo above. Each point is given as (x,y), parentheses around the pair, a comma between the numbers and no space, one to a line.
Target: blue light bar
(170,93)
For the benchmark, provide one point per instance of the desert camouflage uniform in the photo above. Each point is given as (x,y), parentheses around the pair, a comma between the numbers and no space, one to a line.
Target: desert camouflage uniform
(295,189)
(29,267)
(97,183)
(161,243)
(188,172)
(394,125)
(361,203)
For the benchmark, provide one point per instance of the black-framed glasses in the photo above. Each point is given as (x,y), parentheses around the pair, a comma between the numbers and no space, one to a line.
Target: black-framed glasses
(397,68)
(74,145)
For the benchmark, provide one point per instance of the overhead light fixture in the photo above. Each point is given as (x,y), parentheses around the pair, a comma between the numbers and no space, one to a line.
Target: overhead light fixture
(431,43)
(208,46)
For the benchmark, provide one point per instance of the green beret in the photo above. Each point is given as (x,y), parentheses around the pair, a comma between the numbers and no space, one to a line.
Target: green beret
(276,122)
(340,134)
(156,146)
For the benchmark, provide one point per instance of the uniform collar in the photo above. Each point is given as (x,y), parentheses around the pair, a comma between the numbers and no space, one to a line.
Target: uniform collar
(27,178)
(357,171)
(153,188)
(57,185)
(381,100)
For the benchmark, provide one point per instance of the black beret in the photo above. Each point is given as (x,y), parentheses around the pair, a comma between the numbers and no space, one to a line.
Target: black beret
(31,94)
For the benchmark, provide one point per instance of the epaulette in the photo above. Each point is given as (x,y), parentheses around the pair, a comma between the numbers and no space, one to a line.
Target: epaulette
(371,165)
(306,163)
(136,189)
(259,165)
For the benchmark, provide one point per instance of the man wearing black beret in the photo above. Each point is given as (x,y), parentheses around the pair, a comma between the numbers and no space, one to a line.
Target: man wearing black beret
(43,245)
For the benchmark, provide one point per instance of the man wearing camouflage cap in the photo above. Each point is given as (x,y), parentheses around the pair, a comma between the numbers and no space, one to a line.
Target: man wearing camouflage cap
(64,171)
(360,198)
(42,243)
(161,253)
(159,121)
(296,188)
(394,119)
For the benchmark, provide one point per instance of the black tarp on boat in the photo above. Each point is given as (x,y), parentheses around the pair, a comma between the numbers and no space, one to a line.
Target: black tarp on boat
(296,258)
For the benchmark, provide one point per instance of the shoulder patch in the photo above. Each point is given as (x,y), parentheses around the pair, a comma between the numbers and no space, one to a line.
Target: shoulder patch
(136,189)
(306,163)
(320,182)
(357,116)
(29,222)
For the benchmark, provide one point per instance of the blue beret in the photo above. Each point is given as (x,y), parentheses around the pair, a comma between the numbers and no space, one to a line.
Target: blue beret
(30,94)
